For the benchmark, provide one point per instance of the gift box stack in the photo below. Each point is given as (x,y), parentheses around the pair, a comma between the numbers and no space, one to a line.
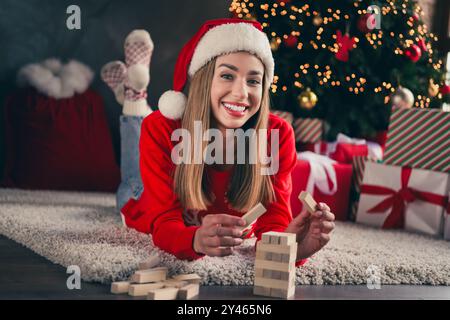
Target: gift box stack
(409,189)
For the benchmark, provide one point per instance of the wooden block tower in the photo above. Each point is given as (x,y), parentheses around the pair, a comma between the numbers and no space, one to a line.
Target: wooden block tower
(275,265)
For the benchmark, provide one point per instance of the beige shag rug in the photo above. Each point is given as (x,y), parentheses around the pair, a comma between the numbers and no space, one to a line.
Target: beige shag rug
(74,228)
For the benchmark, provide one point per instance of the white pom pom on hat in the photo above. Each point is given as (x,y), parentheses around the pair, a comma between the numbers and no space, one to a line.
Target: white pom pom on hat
(215,37)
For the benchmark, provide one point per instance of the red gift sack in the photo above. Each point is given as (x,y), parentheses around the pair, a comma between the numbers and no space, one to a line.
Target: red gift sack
(337,202)
(61,144)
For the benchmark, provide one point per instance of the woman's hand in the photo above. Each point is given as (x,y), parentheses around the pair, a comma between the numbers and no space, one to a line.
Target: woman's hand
(218,234)
(313,230)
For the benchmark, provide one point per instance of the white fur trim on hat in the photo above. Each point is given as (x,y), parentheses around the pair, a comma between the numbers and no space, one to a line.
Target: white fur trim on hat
(172,104)
(233,37)
(55,79)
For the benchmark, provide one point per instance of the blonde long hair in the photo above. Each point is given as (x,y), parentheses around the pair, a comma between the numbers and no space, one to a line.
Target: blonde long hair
(248,186)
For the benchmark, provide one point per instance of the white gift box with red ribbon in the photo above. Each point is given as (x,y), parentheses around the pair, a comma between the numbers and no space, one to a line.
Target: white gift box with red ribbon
(400,197)
(447,220)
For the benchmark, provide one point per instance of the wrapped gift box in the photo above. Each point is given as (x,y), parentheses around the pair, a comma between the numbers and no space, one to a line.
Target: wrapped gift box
(419,138)
(401,197)
(344,149)
(338,202)
(308,130)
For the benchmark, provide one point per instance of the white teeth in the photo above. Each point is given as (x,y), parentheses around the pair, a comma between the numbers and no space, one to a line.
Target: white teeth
(233,107)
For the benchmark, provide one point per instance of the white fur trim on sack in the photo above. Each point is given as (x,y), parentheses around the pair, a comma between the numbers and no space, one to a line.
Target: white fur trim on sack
(55,79)
(172,104)
(239,37)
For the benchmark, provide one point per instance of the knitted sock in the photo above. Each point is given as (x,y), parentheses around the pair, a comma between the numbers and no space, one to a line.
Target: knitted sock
(114,75)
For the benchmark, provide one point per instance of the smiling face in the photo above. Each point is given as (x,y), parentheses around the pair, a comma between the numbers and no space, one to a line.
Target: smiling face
(236,89)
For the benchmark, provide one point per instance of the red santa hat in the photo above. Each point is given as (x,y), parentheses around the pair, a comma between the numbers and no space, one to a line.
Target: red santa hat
(215,38)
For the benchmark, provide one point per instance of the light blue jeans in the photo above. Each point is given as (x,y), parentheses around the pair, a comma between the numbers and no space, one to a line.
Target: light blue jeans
(131,182)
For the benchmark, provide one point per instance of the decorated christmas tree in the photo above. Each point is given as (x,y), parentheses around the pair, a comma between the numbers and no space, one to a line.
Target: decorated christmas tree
(348,61)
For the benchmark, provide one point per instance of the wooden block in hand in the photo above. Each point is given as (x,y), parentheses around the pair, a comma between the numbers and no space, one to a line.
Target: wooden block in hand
(120,287)
(151,262)
(188,292)
(138,290)
(191,278)
(150,275)
(308,201)
(163,294)
(253,214)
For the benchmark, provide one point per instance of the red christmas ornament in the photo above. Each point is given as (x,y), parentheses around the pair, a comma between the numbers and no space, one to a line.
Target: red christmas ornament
(366,23)
(290,41)
(285,1)
(345,43)
(445,89)
(415,16)
(422,45)
(413,53)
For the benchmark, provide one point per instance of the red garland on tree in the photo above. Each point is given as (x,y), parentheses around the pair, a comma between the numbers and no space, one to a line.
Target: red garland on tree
(413,53)
(291,41)
(345,43)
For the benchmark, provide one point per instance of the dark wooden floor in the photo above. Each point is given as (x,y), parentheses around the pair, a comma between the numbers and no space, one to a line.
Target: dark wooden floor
(26,275)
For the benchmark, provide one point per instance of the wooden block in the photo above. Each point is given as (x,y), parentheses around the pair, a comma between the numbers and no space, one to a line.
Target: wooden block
(259,272)
(138,290)
(188,292)
(150,263)
(308,201)
(274,240)
(265,237)
(275,266)
(277,257)
(277,275)
(262,255)
(172,283)
(275,237)
(254,214)
(150,275)
(191,278)
(120,287)
(281,293)
(288,238)
(267,273)
(261,291)
(163,294)
(272,283)
(274,248)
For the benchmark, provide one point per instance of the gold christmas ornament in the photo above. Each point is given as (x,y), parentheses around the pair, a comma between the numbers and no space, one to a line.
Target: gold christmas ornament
(274,44)
(307,99)
(402,98)
(317,20)
(433,89)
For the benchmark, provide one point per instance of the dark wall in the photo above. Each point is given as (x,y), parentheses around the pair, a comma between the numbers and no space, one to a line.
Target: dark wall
(33,30)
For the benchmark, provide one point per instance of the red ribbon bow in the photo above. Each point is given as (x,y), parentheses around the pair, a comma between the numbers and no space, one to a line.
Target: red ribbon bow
(397,200)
